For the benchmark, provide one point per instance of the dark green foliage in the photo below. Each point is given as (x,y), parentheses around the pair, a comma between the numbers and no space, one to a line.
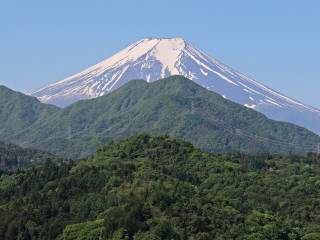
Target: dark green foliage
(161,187)
(255,161)
(12,156)
(163,106)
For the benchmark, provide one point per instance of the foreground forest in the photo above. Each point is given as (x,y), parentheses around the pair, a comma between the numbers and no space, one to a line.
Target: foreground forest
(161,187)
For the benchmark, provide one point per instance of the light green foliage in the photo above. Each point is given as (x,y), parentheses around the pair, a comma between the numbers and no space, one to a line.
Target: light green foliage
(145,236)
(84,231)
(311,236)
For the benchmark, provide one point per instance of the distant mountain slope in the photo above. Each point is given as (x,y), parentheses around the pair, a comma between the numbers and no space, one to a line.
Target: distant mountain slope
(174,105)
(155,58)
(13,157)
(18,111)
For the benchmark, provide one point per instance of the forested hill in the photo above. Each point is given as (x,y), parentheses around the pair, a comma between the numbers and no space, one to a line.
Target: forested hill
(173,105)
(13,157)
(19,111)
(161,187)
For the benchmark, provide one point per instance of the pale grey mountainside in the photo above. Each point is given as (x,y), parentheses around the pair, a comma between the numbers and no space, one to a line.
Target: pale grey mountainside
(155,58)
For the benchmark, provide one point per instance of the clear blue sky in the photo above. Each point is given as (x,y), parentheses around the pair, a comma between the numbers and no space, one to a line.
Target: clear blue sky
(276,43)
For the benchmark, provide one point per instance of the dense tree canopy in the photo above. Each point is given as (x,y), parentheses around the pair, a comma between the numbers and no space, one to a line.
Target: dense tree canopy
(161,187)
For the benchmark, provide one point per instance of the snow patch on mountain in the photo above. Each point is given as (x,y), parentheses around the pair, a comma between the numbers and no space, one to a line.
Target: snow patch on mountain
(250,106)
(203,72)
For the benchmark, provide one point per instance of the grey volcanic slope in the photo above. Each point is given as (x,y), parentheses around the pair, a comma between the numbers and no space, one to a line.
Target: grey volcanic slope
(153,58)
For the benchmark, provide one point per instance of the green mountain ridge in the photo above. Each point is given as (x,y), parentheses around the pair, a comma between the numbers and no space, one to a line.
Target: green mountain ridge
(161,187)
(174,105)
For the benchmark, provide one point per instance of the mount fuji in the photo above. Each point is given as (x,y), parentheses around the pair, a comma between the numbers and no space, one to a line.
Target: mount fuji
(155,58)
